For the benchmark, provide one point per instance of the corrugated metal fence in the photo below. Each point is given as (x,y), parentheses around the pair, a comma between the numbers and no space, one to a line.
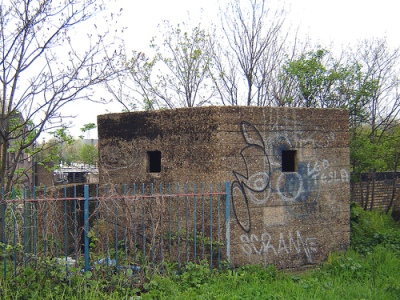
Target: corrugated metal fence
(123,226)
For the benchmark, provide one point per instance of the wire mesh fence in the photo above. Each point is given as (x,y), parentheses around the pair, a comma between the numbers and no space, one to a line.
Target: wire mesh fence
(126,226)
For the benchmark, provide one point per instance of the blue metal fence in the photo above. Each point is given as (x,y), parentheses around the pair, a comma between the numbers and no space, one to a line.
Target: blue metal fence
(123,226)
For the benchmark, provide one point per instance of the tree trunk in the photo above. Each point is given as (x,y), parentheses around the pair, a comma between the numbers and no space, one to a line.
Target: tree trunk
(367,193)
(361,191)
(394,181)
(373,190)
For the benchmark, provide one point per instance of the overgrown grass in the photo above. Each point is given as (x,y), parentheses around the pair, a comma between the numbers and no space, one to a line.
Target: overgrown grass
(370,269)
(100,284)
(349,276)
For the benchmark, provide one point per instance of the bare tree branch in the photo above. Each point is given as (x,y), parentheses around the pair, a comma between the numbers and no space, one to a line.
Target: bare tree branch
(255,39)
(43,67)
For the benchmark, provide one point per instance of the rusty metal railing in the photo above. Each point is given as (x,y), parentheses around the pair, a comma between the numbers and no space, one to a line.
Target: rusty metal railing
(126,226)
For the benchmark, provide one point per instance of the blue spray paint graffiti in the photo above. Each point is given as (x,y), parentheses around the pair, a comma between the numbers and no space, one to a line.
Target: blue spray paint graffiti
(300,187)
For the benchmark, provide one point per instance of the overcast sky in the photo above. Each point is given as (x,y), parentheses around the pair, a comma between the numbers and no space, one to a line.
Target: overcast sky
(340,22)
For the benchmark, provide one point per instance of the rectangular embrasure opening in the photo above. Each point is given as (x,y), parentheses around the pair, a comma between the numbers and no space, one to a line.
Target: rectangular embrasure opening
(154,161)
(288,160)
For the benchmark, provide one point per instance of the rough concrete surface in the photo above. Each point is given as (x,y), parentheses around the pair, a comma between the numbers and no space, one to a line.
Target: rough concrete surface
(288,169)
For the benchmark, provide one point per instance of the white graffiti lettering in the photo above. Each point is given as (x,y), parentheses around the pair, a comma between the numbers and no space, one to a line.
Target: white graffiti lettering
(254,245)
(325,173)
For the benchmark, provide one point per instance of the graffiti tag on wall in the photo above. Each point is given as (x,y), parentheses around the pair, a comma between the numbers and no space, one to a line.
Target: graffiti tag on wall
(263,162)
(264,245)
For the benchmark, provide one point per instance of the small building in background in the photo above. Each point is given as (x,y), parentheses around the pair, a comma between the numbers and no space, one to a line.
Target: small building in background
(69,175)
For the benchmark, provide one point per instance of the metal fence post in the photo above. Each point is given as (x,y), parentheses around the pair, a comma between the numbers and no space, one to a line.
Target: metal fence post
(227,221)
(86,224)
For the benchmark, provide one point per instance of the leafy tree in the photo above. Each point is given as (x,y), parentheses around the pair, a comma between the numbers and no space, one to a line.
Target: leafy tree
(176,76)
(369,156)
(321,80)
(54,152)
(380,67)
(365,82)
(66,153)
(89,154)
(43,69)
(87,128)
(63,149)
(393,159)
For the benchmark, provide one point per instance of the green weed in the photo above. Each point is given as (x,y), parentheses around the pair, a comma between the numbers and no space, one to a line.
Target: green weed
(372,228)
(370,269)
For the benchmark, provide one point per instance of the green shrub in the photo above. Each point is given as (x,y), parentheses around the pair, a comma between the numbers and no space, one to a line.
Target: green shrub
(55,282)
(372,228)
(370,269)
